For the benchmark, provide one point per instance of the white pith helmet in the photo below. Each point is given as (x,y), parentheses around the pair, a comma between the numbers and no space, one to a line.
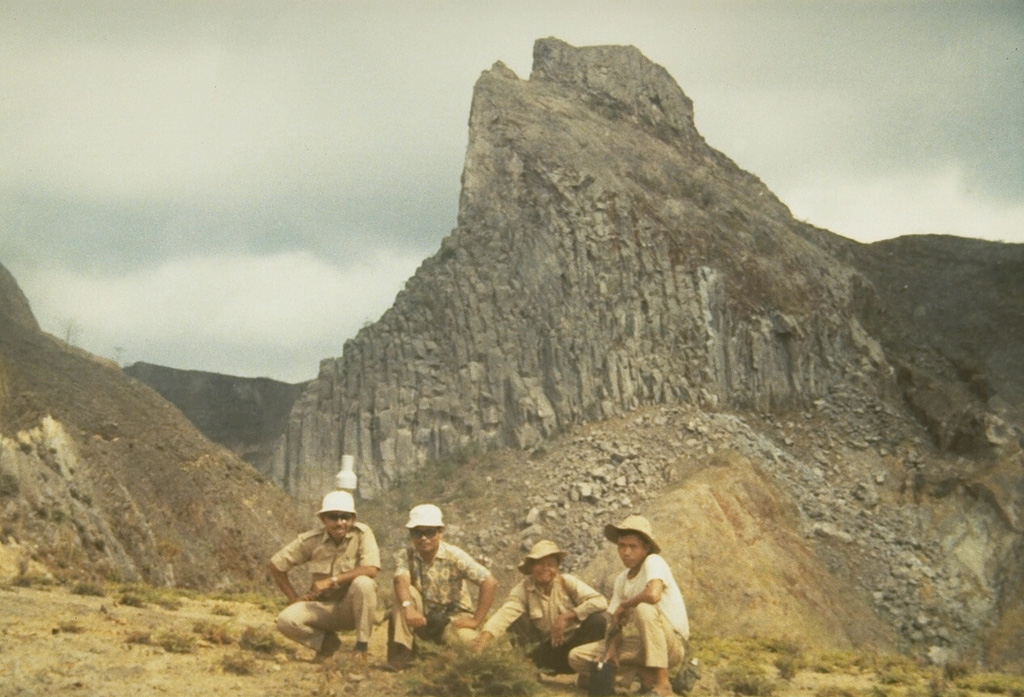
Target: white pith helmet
(340,501)
(425,515)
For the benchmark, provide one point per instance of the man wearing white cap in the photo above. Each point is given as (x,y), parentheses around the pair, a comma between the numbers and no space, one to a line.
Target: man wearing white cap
(343,560)
(649,627)
(431,599)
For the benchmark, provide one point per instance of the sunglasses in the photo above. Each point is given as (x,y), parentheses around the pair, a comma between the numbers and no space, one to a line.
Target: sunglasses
(424,532)
(337,516)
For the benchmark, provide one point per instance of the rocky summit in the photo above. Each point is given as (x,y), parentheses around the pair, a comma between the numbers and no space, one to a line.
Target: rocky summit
(832,431)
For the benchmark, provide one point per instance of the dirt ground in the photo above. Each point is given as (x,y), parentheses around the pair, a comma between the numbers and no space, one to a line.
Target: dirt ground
(57,642)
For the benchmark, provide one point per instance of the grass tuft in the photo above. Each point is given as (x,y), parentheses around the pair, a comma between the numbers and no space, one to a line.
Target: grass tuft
(744,677)
(239,663)
(260,640)
(88,588)
(174,642)
(457,671)
(214,632)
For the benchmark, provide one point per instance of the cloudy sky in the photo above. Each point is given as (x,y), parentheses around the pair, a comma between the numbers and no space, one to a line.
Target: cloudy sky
(240,186)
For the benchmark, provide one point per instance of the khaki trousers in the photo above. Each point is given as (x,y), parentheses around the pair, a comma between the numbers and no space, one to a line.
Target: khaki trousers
(405,636)
(648,641)
(307,622)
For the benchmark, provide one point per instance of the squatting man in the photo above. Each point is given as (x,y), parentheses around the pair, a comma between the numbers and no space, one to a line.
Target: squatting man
(431,599)
(343,560)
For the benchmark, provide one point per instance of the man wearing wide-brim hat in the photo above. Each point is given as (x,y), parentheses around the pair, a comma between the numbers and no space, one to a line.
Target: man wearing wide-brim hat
(555,611)
(648,628)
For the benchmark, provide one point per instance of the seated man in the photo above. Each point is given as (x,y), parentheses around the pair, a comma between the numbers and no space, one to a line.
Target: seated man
(648,627)
(343,560)
(556,611)
(431,600)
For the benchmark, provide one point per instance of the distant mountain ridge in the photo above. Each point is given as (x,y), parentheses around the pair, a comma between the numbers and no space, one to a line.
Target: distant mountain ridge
(245,415)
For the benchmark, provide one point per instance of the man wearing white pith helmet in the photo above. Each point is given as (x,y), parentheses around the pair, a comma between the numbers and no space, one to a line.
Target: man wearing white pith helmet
(432,601)
(343,559)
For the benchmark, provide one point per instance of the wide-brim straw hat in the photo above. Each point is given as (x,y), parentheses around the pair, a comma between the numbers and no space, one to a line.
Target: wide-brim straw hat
(544,548)
(633,523)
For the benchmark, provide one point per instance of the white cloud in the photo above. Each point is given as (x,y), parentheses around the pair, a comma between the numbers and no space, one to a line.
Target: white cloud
(245,315)
(933,202)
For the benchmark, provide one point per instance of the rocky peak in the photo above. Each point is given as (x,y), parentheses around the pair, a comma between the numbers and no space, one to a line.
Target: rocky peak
(618,81)
(605,257)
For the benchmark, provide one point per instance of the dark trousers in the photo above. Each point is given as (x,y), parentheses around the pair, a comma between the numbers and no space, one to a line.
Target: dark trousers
(555,658)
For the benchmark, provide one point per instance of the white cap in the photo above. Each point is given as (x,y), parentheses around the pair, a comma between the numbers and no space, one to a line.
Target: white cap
(425,515)
(340,501)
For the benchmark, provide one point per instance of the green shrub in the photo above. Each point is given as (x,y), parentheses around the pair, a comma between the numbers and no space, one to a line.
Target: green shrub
(239,663)
(88,588)
(132,600)
(457,671)
(994,683)
(9,485)
(834,691)
(787,665)
(174,642)
(214,632)
(744,677)
(259,639)
(139,636)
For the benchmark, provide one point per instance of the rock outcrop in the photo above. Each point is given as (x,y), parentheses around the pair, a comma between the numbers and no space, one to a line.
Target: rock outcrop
(605,257)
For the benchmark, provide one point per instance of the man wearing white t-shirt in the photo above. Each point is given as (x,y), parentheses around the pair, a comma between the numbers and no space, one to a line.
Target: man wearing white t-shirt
(648,627)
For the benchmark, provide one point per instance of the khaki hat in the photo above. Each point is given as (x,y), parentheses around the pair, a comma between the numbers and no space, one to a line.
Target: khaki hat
(425,515)
(544,548)
(633,523)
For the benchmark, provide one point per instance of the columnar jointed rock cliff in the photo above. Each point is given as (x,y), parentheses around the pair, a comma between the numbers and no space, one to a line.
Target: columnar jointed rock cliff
(605,257)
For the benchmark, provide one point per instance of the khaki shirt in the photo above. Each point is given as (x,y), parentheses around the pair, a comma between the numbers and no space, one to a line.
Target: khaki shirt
(442,581)
(329,558)
(567,593)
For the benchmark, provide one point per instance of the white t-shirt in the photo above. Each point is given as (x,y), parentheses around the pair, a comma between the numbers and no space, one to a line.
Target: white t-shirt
(671,603)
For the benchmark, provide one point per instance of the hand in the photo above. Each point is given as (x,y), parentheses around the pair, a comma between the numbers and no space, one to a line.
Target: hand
(612,654)
(465,622)
(482,639)
(558,628)
(413,617)
(321,586)
(620,616)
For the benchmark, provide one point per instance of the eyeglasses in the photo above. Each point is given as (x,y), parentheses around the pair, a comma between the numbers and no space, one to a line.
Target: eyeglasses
(337,516)
(424,532)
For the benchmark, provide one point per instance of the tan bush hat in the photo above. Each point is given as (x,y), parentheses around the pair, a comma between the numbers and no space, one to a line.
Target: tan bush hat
(544,548)
(633,523)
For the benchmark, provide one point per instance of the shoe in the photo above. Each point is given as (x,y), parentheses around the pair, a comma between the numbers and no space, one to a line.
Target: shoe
(399,657)
(685,679)
(328,648)
(358,666)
